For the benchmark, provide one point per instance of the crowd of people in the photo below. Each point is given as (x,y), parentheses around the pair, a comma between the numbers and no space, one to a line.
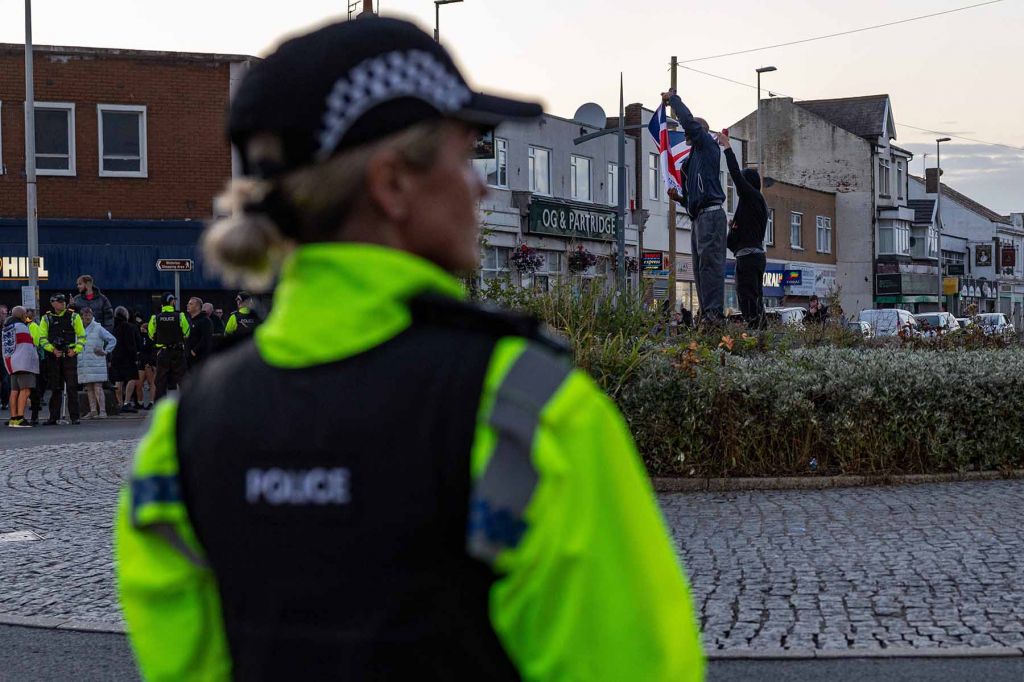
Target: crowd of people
(84,343)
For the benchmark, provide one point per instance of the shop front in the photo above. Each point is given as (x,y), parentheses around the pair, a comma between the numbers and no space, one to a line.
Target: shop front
(120,255)
(803,280)
(774,273)
(915,292)
(580,237)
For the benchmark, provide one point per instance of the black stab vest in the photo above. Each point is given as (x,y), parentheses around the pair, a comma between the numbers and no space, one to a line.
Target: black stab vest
(60,330)
(168,329)
(332,502)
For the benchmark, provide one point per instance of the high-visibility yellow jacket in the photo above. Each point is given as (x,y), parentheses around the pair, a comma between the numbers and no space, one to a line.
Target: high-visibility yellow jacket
(593,591)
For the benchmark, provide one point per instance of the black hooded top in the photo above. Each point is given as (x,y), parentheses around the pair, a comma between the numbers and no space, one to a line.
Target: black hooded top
(751,216)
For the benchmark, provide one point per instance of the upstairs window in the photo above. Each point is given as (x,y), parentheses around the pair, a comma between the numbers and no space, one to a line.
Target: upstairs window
(769,234)
(579,178)
(494,171)
(540,170)
(796,230)
(122,141)
(884,178)
(55,138)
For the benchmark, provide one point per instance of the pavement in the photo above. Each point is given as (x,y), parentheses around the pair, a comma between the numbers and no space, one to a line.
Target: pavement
(38,654)
(925,570)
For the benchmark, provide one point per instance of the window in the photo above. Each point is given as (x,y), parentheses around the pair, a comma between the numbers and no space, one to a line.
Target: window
(547,276)
(770,232)
(540,170)
(579,178)
(884,188)
(824,229)
(495,171)
(899,179)
(55,138)
(2,169)
(613,184)
(653,176)
(730,194)
(893,237)
(122,140)
(494,264)
(796,230)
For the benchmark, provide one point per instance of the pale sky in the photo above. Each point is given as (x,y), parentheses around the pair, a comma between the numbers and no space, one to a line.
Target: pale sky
(958,73)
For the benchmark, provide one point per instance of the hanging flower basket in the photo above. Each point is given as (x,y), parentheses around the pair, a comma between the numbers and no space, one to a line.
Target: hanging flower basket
(526,259)
(632,264)
(580,260)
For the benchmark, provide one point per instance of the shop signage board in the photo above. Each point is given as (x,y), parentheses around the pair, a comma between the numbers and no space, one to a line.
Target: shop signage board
(565,219)
(983,255)
(653,260)
(16,268)
(888,284)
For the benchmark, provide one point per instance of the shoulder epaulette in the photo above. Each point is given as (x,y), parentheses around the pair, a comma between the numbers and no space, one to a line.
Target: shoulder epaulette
(443,311)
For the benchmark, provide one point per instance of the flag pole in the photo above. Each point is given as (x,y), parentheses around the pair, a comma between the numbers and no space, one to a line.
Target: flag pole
(672,216)
(620,233)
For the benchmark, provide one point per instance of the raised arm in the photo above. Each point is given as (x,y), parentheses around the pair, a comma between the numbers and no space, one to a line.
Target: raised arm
(694,130)
(744,188)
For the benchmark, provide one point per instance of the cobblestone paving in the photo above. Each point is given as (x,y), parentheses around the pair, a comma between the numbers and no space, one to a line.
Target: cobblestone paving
(66,494)
(910,567)
(907,567)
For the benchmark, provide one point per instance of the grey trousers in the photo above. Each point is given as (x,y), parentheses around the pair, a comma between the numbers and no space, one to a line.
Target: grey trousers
(707,242)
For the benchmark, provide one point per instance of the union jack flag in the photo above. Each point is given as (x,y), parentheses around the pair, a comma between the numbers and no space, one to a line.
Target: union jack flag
(672,148)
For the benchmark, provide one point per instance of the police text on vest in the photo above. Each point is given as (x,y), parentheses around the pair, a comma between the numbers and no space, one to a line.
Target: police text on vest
(302,487)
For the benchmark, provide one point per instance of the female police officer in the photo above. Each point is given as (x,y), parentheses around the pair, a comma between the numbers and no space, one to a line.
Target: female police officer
(410,487)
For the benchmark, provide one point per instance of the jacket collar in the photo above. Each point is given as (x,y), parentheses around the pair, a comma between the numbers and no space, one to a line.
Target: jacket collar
(336,300)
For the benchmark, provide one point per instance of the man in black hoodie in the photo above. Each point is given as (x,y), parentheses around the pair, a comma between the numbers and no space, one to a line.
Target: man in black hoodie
(746,237)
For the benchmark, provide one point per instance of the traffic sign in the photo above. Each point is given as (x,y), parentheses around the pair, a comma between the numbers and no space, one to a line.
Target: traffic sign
(174,265)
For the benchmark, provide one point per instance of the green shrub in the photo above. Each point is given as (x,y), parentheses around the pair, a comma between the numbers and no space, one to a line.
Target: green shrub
(869,411)
(727,401)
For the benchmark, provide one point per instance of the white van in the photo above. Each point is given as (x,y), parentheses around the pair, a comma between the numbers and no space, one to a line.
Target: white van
(889,322)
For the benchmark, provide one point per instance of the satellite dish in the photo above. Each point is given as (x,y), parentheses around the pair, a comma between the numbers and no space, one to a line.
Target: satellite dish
(591,115)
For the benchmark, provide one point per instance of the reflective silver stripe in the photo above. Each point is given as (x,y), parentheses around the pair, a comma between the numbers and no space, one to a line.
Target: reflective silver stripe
(502,493)
(167,532)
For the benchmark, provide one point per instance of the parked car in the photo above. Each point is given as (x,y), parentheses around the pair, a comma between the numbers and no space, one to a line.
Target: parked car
(786,315)
(995,324)
(858,327)
(965,322)
(937,324)
(890,322)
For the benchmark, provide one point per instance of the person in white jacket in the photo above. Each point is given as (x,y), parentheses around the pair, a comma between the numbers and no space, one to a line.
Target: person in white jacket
(92,364)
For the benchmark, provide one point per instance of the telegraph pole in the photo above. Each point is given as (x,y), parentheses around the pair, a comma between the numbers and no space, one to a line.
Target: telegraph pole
(672,213)
(32,217)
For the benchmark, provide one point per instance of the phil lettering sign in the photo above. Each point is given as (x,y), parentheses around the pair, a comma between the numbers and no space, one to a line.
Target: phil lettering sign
(568,220)
(16,268)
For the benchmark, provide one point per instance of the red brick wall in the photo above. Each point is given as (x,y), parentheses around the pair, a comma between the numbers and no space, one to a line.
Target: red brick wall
(189,157)
(785,198)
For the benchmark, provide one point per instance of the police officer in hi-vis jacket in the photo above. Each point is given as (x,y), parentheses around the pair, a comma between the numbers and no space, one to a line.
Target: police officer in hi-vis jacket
(401,485)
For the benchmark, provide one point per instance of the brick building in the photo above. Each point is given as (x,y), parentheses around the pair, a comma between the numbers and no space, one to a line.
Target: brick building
(800,242)
(130,151)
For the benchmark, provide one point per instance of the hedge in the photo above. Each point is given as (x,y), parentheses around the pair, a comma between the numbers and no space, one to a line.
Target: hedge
(827,410)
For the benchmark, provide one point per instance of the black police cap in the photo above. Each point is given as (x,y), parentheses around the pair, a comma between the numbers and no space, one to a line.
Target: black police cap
(167,298)
(352,83)
(60,298)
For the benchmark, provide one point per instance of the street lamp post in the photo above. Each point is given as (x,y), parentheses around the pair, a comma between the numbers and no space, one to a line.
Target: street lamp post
(32,214)
(437,17)
(938,209)
(760,136)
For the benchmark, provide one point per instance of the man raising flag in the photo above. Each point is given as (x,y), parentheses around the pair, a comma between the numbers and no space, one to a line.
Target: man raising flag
(702,196)
(672,148)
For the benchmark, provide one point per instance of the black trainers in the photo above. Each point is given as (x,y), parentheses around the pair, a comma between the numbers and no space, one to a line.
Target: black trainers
(75,422)
(128,409)
(50,422)
(19,424)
